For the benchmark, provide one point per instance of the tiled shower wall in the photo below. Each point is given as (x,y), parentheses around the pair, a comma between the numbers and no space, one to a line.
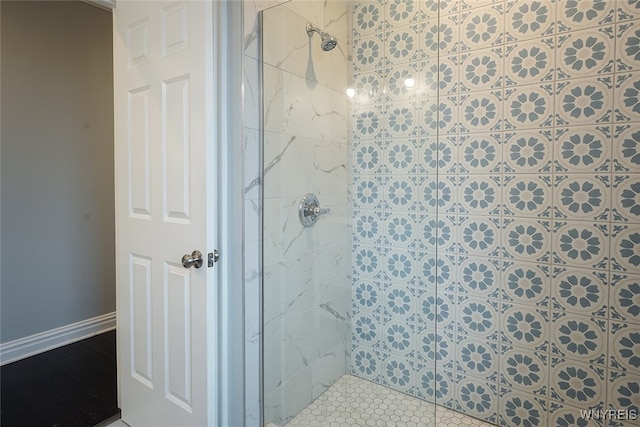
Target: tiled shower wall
(506,135)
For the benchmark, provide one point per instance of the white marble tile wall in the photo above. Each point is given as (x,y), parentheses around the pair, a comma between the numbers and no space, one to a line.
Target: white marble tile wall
(305,149)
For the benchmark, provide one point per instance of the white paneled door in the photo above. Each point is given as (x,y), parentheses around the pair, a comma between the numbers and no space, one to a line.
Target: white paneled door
(164,148)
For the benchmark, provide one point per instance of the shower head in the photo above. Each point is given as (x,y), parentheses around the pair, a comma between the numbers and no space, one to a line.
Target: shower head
(327,42)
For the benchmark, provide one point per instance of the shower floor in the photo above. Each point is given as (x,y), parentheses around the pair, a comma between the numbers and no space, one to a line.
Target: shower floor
(352,401)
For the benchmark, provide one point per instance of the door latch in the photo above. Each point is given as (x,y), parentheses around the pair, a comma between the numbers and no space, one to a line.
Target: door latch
(213,257)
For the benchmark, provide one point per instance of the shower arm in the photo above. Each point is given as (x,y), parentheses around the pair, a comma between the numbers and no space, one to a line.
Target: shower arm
(313,29)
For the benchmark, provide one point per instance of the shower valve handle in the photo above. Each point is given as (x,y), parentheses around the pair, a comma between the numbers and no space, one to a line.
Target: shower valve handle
(309,210)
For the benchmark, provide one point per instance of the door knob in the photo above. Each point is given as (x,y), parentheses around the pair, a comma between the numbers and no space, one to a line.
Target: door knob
(193,260)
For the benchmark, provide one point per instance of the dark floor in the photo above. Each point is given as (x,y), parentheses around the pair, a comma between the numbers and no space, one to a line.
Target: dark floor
(74,385)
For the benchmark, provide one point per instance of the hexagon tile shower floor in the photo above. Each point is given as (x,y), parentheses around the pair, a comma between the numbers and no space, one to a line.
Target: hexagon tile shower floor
(352,401)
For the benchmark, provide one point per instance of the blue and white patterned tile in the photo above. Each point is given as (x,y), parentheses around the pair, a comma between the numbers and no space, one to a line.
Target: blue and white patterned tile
(437,310)
(579,291)
(401,192)
(585,53)
(627,98)
(477,358)
(398,373)
(628,46)
(624,395)
(628,9)
(561,415)
(366,330)
(481,70)
(524,370)
(401,156)
(440,77)
(437,195)
(369,86)
(477,317)
(578,14)
(368,17)
(529,62)
(625,249)
(366,295)
(437,233)
(582,197)
(525,326)
(440,37)
(398,338)
(626,198)
(368,52)
(368,192)
(401,82)
(624,347)
(525,283)
(527,240)
(401,120)
(480,153)
(481,28)
(521,409)
(527,196)
(626,152)
(478,276)
(437,386)
(477,398)
(437,270)
(584,149)
(479,236)
(436,347)
(400,230)
(625,297)
(401,265)
(474,4)
(479,195)
(439,117)
(579,338)
(584,101)
(577,384)
(581,244)
(367,260)
(438,156)
(433,8)
(367,157)
(368,122)
(480,111)
(400,302)
(529,19)
(402,12)
(528,107)
(528,151)
(365,363)
(449,157)
(402,44)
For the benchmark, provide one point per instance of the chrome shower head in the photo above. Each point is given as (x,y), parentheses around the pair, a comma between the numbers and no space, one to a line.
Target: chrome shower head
(327,43)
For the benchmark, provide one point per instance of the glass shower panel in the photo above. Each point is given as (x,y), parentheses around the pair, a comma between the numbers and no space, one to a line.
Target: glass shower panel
(351,117)
(306,267)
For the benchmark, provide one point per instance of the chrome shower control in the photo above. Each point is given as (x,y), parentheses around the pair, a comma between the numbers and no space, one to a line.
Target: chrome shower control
(309,210)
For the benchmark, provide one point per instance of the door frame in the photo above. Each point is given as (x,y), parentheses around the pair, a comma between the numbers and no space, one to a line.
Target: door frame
(228,121)
(227,395)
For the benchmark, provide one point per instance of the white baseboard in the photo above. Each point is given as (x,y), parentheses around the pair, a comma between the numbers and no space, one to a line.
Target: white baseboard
(54,338)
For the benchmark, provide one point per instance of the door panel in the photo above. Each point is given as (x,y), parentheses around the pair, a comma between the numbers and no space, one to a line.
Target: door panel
(162,64)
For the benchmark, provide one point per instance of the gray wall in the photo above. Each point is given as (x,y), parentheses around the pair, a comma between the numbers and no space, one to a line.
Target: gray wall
(57,202)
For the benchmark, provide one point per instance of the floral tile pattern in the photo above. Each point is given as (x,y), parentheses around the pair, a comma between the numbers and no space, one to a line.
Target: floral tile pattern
(496,184)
